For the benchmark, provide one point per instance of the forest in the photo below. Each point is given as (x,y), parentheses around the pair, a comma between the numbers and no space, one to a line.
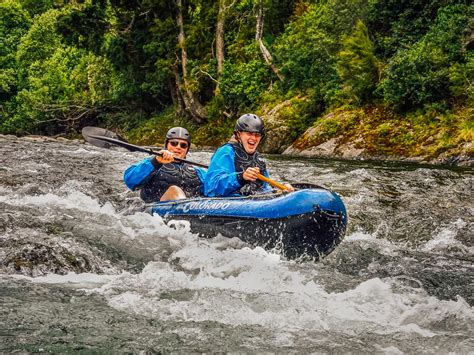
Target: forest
(393,76)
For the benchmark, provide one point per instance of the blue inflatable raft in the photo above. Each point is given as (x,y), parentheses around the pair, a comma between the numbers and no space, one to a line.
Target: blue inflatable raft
(309,222)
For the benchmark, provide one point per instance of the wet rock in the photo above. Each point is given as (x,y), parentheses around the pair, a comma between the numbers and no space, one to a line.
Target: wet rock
(279,129)
(463,158)
(332,148)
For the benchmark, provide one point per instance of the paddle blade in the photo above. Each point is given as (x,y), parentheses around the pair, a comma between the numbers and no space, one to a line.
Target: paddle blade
(92,134)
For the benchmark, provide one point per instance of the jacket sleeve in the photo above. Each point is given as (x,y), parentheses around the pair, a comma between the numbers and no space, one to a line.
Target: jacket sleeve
(221,178)
(138,174)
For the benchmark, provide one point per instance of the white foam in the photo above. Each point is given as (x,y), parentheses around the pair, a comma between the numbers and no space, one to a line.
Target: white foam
(81,280)
(369,240)
(72,200)
(253,287)
(140,230)
(79,151)
(391,350)
(210,280)
(446,238)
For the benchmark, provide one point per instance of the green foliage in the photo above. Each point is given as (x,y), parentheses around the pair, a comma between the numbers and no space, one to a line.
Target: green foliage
(357,65)
(243,83)
(37,7)
(310,44)
(41,41)
(14,23)
(152,131)
(420,75)
(297,115)
(460,79)
(399,24)
(84,25)
(64,64)
(70,85)
(466,129)
(214,133)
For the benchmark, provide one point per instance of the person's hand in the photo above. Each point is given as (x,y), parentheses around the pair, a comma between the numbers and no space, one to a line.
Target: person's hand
(289,187)
(251,174)
(165,157)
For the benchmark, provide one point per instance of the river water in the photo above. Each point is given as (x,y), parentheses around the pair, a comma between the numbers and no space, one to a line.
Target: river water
(82,268)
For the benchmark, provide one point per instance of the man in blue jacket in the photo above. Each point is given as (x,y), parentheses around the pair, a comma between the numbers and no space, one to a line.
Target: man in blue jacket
(161,177)
(235,166)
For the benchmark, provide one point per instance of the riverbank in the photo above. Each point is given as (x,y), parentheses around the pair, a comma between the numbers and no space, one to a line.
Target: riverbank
(370,133)
(378,134)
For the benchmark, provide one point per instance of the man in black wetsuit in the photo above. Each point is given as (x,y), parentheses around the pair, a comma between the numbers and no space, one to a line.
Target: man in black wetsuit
(161,178)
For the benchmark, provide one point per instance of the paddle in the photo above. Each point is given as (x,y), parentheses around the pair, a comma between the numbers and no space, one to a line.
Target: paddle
(103,138)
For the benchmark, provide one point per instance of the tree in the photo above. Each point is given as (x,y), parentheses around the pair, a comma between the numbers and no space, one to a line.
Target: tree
(420,75)
(357,65)
(14,23)
(267,56)
(192,105)
(309,46)
(220,35)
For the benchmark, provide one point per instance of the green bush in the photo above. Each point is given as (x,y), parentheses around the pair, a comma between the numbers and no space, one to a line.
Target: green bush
(152,131)
(399,24)
(421,75)
(308,48)
(242,84)
(14,23)
(460,79)
(63,90)
(41,41)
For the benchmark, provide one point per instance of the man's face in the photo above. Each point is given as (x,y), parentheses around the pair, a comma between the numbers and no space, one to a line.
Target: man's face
(250,141)
(179,147)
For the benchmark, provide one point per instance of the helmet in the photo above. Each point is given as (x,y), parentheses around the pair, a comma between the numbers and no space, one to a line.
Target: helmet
(178,133)
(250,123)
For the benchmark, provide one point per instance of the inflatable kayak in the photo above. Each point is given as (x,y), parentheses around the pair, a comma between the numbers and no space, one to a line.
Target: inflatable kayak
(306,223)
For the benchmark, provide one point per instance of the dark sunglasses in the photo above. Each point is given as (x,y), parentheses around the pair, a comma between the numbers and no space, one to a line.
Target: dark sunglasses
(183,145)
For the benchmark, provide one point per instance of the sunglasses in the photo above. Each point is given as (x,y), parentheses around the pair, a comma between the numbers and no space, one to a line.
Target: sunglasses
(254,134)
(183,145)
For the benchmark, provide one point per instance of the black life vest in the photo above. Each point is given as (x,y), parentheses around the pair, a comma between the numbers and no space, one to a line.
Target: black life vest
(182,175)
(242,161)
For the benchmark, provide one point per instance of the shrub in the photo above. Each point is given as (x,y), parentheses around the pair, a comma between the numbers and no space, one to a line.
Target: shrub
(420,75)
(242,84)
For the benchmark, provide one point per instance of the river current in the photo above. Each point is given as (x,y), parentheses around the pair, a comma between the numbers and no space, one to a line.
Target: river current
(84,269)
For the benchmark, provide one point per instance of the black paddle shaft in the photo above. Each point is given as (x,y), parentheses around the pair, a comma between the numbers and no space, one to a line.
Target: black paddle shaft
(102,138)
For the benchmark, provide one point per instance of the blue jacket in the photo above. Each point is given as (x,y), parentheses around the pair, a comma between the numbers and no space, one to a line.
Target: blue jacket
(145,175)
(222,179)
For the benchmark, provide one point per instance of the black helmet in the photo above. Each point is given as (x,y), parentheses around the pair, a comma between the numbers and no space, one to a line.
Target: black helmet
(250,123)
(178,133)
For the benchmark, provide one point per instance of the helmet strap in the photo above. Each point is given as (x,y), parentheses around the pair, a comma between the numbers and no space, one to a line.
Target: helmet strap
(237,136)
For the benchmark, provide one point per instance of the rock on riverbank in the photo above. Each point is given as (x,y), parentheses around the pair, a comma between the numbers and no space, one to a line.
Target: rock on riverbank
(378,134)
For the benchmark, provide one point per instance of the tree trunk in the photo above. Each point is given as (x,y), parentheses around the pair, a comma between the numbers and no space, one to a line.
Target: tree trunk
(220,42)
(193,106)
(258,37)
(176,95)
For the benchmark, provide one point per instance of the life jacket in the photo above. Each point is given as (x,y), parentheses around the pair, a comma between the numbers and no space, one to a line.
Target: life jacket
(182,175)
(242,161)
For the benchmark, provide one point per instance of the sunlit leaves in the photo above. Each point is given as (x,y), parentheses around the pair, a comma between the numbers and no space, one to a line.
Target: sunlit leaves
(357,65)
